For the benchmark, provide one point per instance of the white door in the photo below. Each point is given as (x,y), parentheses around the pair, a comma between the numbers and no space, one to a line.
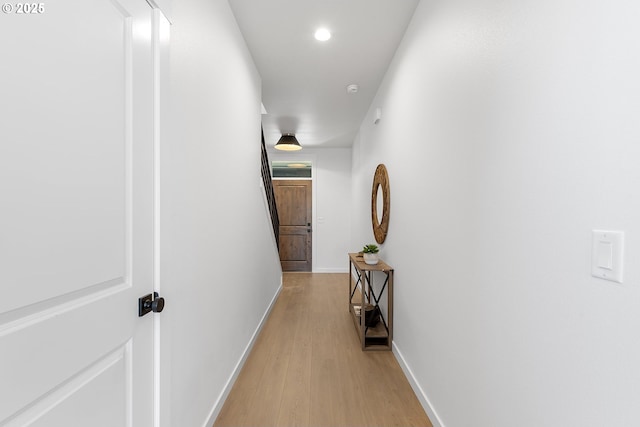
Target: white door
(76,213)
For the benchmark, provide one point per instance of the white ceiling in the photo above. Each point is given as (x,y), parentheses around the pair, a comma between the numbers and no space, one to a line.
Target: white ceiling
(304,81)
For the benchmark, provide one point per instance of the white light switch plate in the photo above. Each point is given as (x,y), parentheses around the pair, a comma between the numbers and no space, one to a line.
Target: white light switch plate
(607,255)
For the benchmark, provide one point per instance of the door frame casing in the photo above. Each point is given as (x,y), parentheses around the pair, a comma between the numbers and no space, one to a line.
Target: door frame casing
(161,30)
(309,157)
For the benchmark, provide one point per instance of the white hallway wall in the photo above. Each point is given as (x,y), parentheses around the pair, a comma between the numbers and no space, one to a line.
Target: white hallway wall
(219,265)
(510,131)
(332,205)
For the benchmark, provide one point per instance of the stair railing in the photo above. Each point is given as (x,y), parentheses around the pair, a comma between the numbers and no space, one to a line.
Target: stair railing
(269,193)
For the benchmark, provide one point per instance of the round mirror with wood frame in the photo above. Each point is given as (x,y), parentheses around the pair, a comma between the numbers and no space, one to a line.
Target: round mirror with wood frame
(380,184)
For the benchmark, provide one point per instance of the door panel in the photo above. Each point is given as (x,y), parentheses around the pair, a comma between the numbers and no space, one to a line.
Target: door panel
(293,199)
(105,378)
(57,203)
(293,247)
(76,238)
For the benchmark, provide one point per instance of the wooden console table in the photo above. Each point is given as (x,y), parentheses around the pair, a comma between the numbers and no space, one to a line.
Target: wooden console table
(379,337)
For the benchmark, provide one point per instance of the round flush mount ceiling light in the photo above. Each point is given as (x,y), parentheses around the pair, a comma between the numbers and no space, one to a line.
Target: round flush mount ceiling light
(322,34)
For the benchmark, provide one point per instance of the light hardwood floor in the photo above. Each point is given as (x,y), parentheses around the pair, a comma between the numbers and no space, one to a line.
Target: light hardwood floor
(307,368)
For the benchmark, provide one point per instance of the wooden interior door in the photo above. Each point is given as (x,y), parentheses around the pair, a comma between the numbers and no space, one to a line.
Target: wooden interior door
(293,198)
(76,236)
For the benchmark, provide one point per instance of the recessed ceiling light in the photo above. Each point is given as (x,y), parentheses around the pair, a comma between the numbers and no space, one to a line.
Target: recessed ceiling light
(322,34)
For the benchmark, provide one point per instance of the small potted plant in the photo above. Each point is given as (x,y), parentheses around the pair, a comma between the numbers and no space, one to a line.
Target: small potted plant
(370,254)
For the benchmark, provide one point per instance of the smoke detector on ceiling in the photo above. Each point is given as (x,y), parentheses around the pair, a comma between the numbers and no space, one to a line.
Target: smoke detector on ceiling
(352,89)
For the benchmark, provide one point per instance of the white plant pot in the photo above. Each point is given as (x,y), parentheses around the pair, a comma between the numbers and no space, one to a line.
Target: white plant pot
(370,259)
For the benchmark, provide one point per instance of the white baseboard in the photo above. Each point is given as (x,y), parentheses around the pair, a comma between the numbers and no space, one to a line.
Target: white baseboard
(331,270)
(422,396)
(215,411)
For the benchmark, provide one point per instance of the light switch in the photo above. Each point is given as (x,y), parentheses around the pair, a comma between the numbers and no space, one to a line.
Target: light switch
(607,255)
